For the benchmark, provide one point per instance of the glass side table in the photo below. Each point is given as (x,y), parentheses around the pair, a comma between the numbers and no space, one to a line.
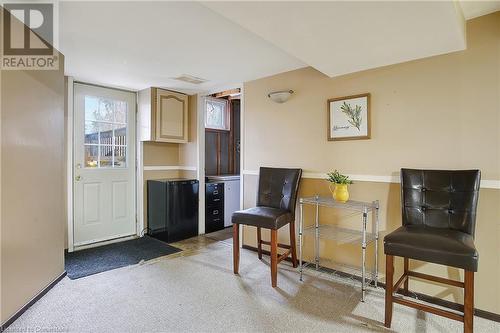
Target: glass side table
(340,234)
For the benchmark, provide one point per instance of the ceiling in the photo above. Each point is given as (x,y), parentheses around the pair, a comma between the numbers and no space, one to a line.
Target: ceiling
(472,8)
(338,38)
(141,44)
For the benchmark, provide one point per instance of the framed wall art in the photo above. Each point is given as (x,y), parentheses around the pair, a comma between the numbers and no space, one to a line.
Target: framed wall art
(349,118)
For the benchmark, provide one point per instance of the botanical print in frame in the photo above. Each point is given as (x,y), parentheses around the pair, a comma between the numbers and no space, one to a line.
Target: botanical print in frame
(349,118)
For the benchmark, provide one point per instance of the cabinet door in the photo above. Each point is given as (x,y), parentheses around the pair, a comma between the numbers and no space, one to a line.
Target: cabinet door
(231,200)
(171,116)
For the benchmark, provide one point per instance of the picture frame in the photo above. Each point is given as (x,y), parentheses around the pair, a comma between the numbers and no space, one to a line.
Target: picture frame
(349,118)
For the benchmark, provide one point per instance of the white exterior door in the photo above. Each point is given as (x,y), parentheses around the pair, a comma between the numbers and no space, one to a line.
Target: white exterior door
(104,164)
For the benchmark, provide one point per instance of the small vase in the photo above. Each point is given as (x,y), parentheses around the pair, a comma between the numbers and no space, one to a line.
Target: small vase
(340,193)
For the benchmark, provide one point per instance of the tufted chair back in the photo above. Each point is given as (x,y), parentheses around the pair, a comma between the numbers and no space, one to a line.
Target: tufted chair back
(440,198)
(278,188)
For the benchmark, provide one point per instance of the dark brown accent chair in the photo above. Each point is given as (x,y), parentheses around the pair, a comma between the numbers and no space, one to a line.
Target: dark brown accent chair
(439,219)
(276,199)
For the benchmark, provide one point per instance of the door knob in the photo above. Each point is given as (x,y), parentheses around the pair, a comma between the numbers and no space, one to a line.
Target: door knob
(78,178)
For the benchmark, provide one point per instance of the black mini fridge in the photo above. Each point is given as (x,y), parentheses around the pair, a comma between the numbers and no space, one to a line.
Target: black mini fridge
(172,209)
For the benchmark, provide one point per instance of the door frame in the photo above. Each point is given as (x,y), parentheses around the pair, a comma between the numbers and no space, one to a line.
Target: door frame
(139,202)
(201,149)
(70,82)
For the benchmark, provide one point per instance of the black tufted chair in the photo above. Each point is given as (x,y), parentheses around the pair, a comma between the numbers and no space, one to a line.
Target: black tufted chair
(276,199)
(439,219)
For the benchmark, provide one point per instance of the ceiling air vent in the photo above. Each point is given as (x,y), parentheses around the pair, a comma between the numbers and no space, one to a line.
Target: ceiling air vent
(190,79)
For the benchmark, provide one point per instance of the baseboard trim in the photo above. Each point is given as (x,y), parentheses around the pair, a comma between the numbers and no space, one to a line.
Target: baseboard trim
(422,297)
(16,315)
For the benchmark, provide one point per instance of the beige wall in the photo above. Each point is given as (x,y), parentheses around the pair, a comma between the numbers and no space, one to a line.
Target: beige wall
(158,154)
(188,151)
(439,112)
(32,201)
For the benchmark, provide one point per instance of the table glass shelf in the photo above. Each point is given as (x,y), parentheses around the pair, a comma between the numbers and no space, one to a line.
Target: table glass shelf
(354,205)
(339,234)
(342,235)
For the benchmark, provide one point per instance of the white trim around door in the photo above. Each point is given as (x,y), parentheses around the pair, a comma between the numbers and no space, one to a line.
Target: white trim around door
(242,153)
(201,148)
(70,172)
(69,162)
(200,160)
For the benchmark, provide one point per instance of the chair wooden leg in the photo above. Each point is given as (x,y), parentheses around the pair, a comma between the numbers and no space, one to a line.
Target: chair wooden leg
(389,275)
(293,245)
(259,243)
(236,248)
(274,257)
(468,302)
(407,280)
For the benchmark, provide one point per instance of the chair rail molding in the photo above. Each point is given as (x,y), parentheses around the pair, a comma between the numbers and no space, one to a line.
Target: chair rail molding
(486,183)
(168,168)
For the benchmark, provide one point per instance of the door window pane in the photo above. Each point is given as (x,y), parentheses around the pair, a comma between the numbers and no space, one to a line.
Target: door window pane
(120,152)
(105,133)
(106,156)
(91,156)
(91,132)
(120,157)
(103,109)
(120,135)
(121,113)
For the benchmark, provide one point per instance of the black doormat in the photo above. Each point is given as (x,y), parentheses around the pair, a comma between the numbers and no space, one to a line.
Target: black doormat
(104,258)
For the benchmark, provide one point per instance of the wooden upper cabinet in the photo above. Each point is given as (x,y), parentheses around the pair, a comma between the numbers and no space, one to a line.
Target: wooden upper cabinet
(171,112)
(163,116)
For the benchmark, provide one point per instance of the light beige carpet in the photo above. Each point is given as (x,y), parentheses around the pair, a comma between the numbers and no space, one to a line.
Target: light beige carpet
(199,293)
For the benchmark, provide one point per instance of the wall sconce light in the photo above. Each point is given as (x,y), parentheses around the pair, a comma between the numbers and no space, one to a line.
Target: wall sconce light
(280,96)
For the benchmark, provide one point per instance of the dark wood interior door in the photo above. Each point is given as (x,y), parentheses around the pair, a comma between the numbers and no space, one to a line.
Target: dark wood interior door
(235,107)
(222,148)
(211,153)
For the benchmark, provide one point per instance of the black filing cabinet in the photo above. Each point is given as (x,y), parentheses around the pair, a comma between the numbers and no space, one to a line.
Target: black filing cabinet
(172,209)
(214,207)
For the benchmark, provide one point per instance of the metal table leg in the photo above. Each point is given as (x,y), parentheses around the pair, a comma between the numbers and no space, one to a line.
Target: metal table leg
(316,237)
(376,241)
(301,227)
(363,259)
